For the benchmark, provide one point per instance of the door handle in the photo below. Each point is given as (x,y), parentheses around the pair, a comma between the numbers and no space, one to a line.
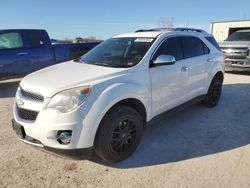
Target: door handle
(210,60)
(184,69)
(22,53)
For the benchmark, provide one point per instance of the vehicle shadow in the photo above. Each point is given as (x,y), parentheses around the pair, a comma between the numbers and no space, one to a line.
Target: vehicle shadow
(195,131)
(245,73)
(8,89)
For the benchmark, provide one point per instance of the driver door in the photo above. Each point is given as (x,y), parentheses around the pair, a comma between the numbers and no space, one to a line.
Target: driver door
(168,81)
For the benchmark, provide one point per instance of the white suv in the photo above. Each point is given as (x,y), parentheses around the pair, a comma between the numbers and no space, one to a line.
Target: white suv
(101,102)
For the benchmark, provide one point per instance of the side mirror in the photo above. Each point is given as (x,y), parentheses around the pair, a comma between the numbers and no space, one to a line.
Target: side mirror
(164,60)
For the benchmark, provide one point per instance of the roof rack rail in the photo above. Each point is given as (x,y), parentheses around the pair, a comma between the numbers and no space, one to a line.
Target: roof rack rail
(186,29)
(155,29)
(189,29)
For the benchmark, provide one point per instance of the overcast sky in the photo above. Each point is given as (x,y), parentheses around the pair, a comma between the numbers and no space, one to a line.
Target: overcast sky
(105,18)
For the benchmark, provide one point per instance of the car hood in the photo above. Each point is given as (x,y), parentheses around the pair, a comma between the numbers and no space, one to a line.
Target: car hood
(54,79)
(235,44)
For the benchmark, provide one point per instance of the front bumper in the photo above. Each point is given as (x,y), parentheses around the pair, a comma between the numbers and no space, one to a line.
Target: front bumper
(237,64)
(76,154)
(230,67)
(46,124)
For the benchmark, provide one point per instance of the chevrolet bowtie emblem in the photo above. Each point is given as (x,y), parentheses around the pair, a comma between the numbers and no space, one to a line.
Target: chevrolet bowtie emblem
(19,102)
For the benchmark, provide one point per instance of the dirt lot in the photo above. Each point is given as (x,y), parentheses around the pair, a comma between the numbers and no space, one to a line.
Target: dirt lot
(197,147)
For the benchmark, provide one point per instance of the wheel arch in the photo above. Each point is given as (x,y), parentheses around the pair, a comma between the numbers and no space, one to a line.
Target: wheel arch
(219,74)
(134,103)
(215,69)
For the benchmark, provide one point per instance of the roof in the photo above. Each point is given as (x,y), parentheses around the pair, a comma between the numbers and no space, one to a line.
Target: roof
(152,34)
(246,20)
(243,30)
(20,30)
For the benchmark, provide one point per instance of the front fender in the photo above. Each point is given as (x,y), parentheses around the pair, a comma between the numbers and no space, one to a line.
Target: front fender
(106,99)
(118,92)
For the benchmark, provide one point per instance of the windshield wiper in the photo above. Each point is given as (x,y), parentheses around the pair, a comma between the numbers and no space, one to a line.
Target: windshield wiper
(94,63)
(102,64)
(78,60)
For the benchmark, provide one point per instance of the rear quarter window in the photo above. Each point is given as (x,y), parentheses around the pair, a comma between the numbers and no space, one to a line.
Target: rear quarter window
(213,42)
(205,48)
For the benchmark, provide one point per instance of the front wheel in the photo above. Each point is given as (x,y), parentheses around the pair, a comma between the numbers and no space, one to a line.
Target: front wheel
(214,92)
(119,134)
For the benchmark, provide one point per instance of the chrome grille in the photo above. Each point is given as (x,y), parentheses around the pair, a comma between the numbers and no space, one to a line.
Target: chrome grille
(235,53)
(27,114)
(32,96)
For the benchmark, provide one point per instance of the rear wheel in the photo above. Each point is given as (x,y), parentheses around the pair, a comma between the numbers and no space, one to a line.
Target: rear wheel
(119,134)
(214,92)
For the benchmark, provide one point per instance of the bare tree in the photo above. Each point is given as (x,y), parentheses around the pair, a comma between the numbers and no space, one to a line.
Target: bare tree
(165,22)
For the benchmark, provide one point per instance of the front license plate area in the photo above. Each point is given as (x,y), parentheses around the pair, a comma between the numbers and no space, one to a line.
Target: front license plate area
(18,129)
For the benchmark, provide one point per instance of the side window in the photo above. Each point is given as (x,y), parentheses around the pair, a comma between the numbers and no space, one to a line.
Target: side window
(10,40)
(193,47)
(34,39)
(171,46)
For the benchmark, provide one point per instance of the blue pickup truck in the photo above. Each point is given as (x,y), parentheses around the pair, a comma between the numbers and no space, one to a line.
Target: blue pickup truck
(23,51)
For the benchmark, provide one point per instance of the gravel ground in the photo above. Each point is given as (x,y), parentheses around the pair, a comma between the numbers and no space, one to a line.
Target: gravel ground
(196,147)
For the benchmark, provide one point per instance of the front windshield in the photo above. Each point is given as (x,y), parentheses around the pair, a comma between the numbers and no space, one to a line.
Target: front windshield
(239,36)
(118,52)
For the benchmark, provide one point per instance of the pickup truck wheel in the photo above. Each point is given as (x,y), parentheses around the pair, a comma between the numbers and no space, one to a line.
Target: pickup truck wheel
(214,93)
(119,134)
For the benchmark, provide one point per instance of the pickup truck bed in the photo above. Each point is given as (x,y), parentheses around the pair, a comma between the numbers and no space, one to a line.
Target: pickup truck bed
(23,51)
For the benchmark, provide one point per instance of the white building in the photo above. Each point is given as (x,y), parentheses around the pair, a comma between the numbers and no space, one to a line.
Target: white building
(221,30)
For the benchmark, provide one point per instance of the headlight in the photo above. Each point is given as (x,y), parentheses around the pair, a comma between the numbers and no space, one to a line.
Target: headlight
(68,100)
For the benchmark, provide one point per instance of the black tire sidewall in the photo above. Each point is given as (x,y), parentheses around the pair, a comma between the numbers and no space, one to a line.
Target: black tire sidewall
(104,133)
(209,101)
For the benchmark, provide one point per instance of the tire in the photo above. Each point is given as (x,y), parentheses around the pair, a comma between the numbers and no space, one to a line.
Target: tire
(119,134)
(214,92)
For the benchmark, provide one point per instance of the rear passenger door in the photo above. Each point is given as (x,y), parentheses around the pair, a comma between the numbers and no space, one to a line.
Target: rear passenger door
(195,65)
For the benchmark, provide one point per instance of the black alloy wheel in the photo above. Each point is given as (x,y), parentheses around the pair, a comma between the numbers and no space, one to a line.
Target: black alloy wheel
(119,134)
(123,136)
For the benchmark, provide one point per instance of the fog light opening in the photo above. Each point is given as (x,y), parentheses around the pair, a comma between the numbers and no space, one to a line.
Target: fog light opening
(64,137)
